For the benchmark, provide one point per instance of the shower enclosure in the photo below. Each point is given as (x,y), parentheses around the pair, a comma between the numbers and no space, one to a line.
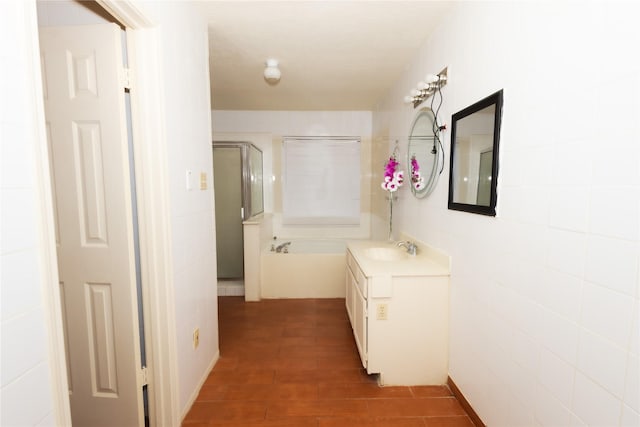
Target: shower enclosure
(237,171)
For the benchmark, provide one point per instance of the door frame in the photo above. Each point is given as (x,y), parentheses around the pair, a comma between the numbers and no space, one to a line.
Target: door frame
(153,218)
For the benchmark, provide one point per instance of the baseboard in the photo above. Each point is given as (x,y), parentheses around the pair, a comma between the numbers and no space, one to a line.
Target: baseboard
(465,403)
(196,391)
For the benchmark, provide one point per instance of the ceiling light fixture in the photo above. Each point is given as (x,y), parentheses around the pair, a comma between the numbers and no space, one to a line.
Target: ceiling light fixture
(424,89)
(272,72)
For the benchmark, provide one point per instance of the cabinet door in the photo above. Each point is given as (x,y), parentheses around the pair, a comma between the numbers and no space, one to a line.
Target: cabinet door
(350,283)
(360,323)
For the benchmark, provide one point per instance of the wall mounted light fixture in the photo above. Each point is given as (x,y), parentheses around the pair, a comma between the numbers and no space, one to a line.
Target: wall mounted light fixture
(272,72)
(424,89)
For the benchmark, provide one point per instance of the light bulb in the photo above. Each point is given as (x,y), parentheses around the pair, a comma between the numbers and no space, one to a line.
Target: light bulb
(432,78)
(414,92)
(422,85)
(408,99)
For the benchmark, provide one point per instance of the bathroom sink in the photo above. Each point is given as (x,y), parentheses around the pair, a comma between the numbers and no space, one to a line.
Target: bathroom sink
(385,254)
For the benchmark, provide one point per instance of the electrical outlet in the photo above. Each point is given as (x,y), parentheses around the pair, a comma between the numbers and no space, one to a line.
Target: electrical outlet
(196,338)
(381,312)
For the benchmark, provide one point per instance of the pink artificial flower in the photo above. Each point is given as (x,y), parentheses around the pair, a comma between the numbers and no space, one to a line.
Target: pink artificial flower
(415,167)
(392,179)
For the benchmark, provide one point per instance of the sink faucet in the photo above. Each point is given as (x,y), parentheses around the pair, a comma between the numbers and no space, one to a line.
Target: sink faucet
(411,247)
(282,247)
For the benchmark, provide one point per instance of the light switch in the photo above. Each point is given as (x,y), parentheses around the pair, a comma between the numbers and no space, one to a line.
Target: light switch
(189,185)
(382,312)
(203,180)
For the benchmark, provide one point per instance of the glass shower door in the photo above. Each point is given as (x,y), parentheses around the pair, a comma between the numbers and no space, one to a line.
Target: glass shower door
(227,173)
(237,171)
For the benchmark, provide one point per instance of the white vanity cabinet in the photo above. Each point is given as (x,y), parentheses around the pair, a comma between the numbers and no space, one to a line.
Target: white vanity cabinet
(399,314)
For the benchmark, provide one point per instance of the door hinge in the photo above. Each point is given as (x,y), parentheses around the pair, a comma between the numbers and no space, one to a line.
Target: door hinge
(143,376)
(126,78)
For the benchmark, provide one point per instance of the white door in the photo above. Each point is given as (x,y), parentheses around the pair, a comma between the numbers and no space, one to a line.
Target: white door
(86,125)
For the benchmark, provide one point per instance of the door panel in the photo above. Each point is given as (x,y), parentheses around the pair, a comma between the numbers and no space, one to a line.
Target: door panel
(88,146)
(85,113)
(101,339)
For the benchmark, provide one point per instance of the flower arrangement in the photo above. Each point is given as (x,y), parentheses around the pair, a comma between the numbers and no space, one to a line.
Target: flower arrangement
(393,178)
(417,180)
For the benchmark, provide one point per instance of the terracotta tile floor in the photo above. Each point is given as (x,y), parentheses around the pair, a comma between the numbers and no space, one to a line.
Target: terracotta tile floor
(293,363)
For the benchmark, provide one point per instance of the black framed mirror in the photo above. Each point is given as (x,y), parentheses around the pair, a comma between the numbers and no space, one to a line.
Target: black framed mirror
(473,173)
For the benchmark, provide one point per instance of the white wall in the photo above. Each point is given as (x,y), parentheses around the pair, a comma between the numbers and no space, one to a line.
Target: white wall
(187,109)
(294,123)
(544,297)
(70,12)
(301,123)
(24,275)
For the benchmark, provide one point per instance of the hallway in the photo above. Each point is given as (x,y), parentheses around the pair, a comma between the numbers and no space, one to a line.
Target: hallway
(293,363)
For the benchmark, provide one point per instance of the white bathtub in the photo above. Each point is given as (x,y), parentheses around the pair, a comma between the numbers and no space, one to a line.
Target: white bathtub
(311,269)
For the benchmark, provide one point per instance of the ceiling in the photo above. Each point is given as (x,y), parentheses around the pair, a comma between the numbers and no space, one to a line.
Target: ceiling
(334,55)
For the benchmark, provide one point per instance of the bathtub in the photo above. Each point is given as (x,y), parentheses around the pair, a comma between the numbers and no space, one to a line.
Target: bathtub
(311,269)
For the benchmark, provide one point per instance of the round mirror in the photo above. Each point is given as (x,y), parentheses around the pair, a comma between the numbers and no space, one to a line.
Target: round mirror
(424,155)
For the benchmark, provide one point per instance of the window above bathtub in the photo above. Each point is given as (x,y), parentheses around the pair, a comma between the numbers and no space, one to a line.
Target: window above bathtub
(321,181)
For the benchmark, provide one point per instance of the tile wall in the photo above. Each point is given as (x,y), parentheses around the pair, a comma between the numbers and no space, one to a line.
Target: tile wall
(25,361)
(544,297)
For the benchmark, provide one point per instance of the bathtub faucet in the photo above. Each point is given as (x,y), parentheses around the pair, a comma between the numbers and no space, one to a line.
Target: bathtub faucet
(411,247)
(283,247)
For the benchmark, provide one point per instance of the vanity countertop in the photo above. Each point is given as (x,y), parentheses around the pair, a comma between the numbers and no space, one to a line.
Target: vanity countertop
(427,261)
